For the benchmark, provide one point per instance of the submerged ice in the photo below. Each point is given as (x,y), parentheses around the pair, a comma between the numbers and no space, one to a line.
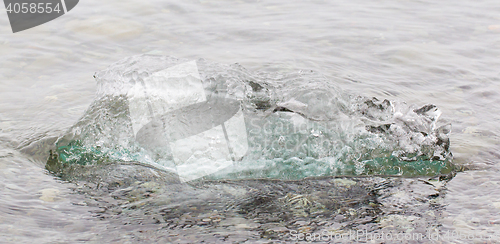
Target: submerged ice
(200,120)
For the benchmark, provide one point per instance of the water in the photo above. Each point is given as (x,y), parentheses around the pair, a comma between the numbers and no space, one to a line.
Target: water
(414,52)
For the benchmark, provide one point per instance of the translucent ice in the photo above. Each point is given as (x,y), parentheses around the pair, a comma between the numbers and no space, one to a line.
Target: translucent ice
(198,119)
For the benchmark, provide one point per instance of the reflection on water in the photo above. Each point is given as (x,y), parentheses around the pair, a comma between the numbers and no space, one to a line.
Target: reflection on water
(148,204)
(418,52)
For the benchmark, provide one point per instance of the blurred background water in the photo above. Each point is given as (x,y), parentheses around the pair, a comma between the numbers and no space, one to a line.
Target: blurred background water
(420,52)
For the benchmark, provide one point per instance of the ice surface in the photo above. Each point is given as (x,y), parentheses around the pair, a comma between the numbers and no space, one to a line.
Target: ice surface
(205,120)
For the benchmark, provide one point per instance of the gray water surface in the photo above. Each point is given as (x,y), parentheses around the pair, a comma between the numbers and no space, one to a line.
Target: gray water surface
(419,52)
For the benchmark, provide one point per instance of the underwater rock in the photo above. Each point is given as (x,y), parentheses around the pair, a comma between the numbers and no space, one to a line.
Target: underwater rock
(201,120)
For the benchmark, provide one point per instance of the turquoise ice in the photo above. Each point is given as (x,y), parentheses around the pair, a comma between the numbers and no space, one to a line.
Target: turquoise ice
(201,120)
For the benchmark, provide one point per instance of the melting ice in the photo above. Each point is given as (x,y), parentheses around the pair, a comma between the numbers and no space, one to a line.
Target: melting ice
(201,120)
